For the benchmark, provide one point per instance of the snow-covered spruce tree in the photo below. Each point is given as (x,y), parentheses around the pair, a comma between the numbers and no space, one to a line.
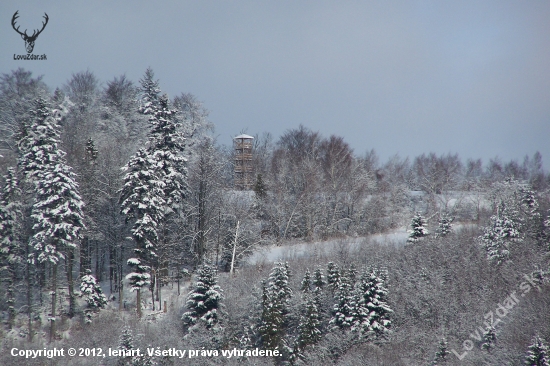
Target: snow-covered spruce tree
(344,311)
(529,208)
(442,353)
(373,312)
(445,226)
(504,228)
(516,216)
(150,92)
(309,332)
(260,189)
(306,282)
(271,320)
(142,200)
(11,251)
(166,147)
(275,299)
(489,339)
(92,294)
(538,354)
(125,344)
(204,301)
(418,229)
(57,210)
(278,284)
(333,276)
(319,278)
(352,274)
(89,173)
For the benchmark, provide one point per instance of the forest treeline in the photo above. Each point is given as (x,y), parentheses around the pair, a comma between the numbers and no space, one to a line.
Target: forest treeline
(120,181)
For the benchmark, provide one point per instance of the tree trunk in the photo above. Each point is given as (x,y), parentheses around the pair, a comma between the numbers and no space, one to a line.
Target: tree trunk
(112,268)
(72,301)
(10,295)
(97,273)
(231,272)
(201,238)
(120,278)
(54,299)
(152,287)
(138,303)
(159,297)
(84,256)
(29,291)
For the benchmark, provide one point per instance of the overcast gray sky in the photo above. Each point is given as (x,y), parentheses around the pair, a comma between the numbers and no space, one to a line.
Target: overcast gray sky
(406,77)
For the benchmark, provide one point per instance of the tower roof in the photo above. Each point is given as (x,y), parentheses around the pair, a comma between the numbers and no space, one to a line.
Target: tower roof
(243,136)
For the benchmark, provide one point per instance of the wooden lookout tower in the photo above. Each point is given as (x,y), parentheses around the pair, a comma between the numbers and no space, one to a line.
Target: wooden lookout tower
(244,174)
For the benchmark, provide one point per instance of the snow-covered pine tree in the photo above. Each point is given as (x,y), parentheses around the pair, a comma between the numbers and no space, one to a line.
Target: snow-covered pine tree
(271,320)
(57,211)
(92,294)
(275,299)
(319,278)
(546,230)
(516,215)
(333,276)
(418,229)
(89,173)
(126,339)
(11,252)
(442,353)
(125,343)
(538,354)
(306,282)
(373,312)
(352,274)
(278,284)
(504,228)
(362,294)
(489,339)
(166,148)
(309,332)
(142,200)
(529,208)
(445,226)
(260,188)
(150,92)
(204,301)
(344,311)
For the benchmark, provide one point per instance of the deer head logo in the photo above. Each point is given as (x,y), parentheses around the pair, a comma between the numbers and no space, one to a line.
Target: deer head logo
(29,40)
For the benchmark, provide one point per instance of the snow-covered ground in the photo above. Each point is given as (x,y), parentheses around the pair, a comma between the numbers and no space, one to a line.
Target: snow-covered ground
(273,253)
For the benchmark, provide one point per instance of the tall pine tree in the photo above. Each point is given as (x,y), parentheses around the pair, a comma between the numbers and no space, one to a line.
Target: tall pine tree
(150,92)
(11,251)
(142,200)
(57,210)
(275,301)
(166,148)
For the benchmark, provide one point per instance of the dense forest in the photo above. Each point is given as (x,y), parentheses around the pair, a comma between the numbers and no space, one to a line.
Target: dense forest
(121,227)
